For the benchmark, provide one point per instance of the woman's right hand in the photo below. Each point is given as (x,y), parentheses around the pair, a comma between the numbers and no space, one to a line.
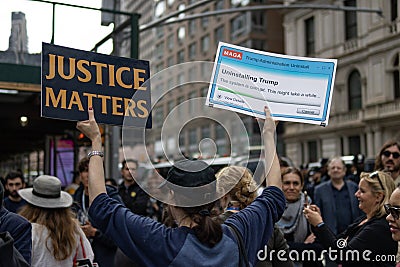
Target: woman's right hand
(89,127)
(269,123)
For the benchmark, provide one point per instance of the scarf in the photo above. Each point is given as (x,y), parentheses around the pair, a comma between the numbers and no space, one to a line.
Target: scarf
(293,220)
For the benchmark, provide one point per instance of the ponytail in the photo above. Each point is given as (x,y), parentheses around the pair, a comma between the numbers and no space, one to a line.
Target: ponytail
(207,230)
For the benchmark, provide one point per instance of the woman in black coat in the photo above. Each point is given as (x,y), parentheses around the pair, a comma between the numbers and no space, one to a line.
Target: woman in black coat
(367,242)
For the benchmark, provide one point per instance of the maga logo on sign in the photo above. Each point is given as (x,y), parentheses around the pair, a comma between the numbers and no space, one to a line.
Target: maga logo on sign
(232,54)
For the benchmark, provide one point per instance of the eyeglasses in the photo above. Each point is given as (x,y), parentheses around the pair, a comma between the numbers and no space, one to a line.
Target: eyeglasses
(387,154)
(395,211)
(375,174)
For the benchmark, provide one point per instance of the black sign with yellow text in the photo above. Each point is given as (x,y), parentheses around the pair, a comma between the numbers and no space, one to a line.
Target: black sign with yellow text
(116,87)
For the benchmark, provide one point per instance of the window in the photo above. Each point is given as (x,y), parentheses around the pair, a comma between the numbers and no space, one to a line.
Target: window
(182,141)
(310,36)
(221,142)
(350,18)
(219,5)
(170,42)
(205,132)
(393,10)
(193,103)
(354,85)
(193,74)
(204,91)
(238,25)
(312,151)
(219,35)
(160,50)
(354,145)
(158,116)
(180,106)
(181,56)
(205,20)
(205,43)
(220,132)
(170,106)
(180,8)
(396,77)
(180,79)
(160,9)
(192,51)
(181,34)
(258,21)
(170,61)
(192,27)
(159,67)
(159,32)
(192,137)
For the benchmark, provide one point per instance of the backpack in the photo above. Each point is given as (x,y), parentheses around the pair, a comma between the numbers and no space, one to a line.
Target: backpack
(9,255)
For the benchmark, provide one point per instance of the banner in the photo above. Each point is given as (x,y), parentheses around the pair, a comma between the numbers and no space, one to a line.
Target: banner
(116,87)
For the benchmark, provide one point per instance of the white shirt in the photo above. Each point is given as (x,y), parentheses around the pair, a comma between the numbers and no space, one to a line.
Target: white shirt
(42,257)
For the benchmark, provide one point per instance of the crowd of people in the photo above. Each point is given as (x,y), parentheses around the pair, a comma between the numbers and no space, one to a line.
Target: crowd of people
(96,221)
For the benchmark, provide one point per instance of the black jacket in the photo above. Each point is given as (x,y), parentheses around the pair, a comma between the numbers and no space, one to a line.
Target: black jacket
(9,255)
(20,230)
(103,247)
(373,236)
(134,198)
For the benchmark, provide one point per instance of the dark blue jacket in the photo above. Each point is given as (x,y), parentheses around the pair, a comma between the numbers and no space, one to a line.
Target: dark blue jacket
(323,198)
(150,243)
(20,230)
(103,247)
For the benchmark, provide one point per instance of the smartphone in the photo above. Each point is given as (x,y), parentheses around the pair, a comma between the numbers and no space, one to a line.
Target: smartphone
(306,202)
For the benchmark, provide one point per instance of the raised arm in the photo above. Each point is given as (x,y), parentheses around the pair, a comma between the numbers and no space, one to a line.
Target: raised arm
(96,171)
(272,168)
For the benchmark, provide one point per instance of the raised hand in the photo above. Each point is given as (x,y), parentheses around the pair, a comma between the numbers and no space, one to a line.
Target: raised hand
(89,127)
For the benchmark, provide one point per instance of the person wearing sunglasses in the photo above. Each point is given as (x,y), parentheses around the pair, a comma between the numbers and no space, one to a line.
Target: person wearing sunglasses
(393,217)
(368,233)
(388,160)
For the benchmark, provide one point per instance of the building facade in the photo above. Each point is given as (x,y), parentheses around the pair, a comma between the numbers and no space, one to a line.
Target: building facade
(365,110)
(181,56)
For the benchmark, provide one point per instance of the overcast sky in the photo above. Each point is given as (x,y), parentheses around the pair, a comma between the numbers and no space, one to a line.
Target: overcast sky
(74,27)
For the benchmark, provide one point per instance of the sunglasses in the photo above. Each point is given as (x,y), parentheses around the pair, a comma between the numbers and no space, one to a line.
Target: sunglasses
(387,154)
(395,211)
(375,174)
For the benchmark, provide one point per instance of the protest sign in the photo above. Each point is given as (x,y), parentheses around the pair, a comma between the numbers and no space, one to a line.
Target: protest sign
(297,89)
(116,87)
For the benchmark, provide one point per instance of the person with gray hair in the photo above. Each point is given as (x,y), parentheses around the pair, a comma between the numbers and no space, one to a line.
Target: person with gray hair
(336,193)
